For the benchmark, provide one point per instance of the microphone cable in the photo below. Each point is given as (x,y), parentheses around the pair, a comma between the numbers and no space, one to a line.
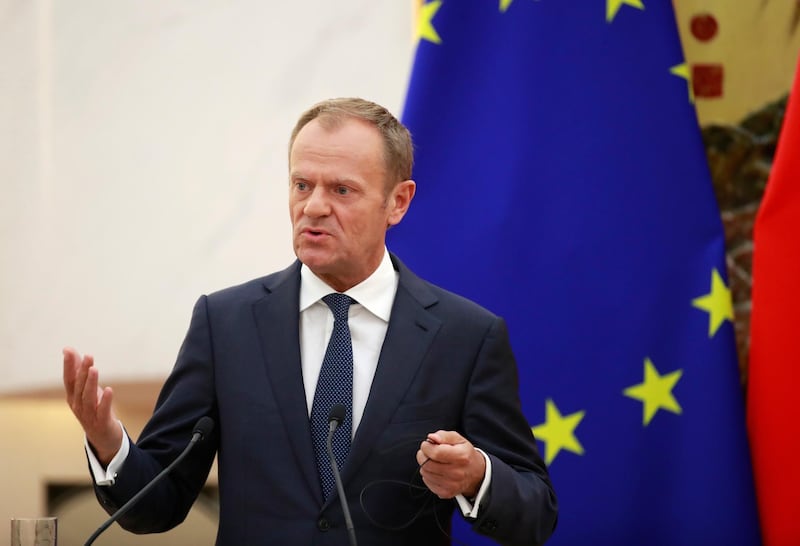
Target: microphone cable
(415,491)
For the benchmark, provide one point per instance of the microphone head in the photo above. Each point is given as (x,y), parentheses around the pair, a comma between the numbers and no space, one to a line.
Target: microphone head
(203,427)
(337,413)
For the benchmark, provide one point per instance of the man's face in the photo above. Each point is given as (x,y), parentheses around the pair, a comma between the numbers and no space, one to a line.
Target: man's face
(338,202)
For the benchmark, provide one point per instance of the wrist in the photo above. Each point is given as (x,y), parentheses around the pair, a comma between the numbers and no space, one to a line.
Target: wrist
(106,447)
(478,464)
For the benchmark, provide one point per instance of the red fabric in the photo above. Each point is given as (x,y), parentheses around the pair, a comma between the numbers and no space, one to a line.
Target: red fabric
(773,395)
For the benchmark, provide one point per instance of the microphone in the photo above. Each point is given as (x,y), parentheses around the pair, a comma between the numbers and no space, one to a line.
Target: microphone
(202,428)
(335,418)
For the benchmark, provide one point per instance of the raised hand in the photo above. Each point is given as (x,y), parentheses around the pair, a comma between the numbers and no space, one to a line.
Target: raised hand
(91,404)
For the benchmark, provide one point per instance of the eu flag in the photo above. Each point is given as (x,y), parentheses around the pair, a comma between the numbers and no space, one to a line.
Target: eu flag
(562,183)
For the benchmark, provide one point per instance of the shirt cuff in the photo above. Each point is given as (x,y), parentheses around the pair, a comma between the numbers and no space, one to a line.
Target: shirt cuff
(470,509)
(107,476)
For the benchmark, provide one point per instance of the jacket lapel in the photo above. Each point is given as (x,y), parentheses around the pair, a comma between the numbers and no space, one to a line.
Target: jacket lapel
(411,330)
(277,317)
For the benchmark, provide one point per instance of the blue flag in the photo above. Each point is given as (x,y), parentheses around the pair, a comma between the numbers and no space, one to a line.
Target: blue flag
(562,183)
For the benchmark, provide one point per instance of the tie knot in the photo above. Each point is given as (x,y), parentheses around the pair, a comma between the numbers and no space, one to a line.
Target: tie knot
(339,304)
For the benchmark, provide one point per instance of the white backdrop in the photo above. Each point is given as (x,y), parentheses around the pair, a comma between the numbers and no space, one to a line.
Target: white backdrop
(143,160)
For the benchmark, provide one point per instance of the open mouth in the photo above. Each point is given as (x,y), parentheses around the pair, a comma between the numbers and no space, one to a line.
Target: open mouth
(314,233)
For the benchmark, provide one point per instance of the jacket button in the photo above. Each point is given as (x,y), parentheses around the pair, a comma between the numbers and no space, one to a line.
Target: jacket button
(323,524)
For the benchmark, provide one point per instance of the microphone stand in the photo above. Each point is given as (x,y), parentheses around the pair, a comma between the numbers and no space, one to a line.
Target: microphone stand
(201,429)
(333,424)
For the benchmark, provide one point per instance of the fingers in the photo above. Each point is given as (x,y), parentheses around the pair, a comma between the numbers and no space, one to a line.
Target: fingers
(75,376)
(71,360)
(106,397)
(444,480)
(84,392)
(90,403)
(88,394)
(448,464)
(442,457)
(446,437)
(446,446)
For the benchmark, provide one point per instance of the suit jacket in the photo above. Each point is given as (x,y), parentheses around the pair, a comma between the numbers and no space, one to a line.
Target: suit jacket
(446,363)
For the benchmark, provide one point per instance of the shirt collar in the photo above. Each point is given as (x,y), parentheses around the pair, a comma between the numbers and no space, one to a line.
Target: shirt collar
(375,293)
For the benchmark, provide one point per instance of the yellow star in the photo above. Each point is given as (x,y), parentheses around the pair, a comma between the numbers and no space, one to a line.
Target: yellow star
(504,5)
(425,28)
(682,71)
(612,7)
(716,303)
(558,432)
(655,392)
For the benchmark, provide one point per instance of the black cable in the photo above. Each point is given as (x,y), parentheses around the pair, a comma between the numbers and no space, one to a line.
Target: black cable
(413,488)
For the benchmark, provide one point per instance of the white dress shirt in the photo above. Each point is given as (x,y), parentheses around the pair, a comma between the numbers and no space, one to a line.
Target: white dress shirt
(368,322)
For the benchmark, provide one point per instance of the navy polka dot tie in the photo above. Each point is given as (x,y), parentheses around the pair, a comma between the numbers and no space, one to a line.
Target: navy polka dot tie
(334,386)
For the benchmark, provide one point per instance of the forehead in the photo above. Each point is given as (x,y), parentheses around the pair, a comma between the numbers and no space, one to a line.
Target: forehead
(348,139)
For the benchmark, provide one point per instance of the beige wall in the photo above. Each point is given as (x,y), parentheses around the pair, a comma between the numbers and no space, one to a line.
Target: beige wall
(42,444)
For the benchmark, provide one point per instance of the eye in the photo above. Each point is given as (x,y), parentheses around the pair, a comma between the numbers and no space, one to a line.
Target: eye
(301,186)
(342,190)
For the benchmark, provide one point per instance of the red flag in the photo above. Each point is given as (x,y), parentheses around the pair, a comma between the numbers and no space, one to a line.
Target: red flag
(773,394)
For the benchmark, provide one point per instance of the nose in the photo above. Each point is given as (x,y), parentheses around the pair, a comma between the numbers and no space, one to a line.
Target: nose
(316,203)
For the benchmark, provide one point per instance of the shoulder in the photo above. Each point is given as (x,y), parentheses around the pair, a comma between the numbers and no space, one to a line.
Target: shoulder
(439,300)
(257,288)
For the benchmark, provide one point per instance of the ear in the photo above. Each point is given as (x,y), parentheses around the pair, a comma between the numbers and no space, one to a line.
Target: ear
(399,200)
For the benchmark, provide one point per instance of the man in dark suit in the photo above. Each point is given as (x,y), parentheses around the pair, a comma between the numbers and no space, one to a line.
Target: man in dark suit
(428,380)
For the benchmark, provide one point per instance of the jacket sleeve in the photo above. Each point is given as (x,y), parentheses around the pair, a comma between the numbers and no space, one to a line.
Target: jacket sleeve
(521,506)
(187,395)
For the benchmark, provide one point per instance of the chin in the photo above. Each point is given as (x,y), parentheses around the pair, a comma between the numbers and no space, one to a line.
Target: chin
(313,260)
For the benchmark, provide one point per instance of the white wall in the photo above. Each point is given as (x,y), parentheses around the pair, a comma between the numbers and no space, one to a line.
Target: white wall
(143,160)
